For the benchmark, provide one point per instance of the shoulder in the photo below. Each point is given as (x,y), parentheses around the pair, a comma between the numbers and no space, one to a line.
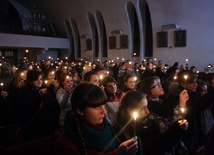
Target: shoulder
(65,145)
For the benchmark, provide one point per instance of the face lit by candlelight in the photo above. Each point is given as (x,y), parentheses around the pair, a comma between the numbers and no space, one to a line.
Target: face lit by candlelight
(130,83)
(94,80)
(51,76)
(142,109)
(68,82)
(38,82)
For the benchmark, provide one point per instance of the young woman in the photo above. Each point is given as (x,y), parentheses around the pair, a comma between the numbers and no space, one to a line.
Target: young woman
(63,95)
(92,77)
(152,87)
(113,94)
(129,82)
(38,109)
(154,134)
(75,77)
(86,130)
(51,82)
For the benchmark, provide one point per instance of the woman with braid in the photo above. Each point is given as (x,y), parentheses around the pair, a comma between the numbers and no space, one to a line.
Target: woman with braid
(86,130)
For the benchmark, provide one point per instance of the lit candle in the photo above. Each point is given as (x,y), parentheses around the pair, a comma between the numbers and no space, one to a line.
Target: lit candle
(2,85)
(22,74)
(135,118)
(182,110)
(101,77)
(185,77)
(46,82)
(67,77)
(175,78)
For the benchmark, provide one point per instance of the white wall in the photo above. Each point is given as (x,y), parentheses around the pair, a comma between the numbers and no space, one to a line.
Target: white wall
(192,15)
(195,16)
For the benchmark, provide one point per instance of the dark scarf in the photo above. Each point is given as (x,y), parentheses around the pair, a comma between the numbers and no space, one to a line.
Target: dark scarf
(98,139)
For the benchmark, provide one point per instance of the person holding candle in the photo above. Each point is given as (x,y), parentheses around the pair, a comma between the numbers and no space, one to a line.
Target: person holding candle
(152,87)
(63,95)
(63,68)
(6,77)
(92,77)
(86,130)
(154,133)
(50,81)
(38,109)
(195,106)
(18,81)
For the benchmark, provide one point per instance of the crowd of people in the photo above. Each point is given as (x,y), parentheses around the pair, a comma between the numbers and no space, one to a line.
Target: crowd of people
(110,107)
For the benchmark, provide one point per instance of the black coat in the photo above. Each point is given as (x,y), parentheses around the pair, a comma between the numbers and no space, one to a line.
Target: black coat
(39,114)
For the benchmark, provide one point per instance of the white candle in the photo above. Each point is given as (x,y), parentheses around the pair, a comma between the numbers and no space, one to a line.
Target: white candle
(2,85)
(135,118)
(185,77)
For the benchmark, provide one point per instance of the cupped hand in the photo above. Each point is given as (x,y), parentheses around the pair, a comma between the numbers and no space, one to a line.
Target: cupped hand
(129,147)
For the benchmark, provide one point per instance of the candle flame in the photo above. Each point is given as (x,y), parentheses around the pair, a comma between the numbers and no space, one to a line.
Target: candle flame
(182,110)
(135,115)
(2,84)
(185,77)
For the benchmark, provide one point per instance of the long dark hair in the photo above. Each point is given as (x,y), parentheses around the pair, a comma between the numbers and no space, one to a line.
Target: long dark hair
(144,86)
(124,121)
(85,95)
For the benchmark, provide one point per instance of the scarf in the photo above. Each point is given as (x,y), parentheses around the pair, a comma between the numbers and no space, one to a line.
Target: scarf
(99,139)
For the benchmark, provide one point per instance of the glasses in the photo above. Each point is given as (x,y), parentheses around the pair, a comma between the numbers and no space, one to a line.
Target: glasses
(156,86)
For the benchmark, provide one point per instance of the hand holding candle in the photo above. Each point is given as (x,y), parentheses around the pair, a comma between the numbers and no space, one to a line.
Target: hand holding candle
(183,124)
(183,98)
